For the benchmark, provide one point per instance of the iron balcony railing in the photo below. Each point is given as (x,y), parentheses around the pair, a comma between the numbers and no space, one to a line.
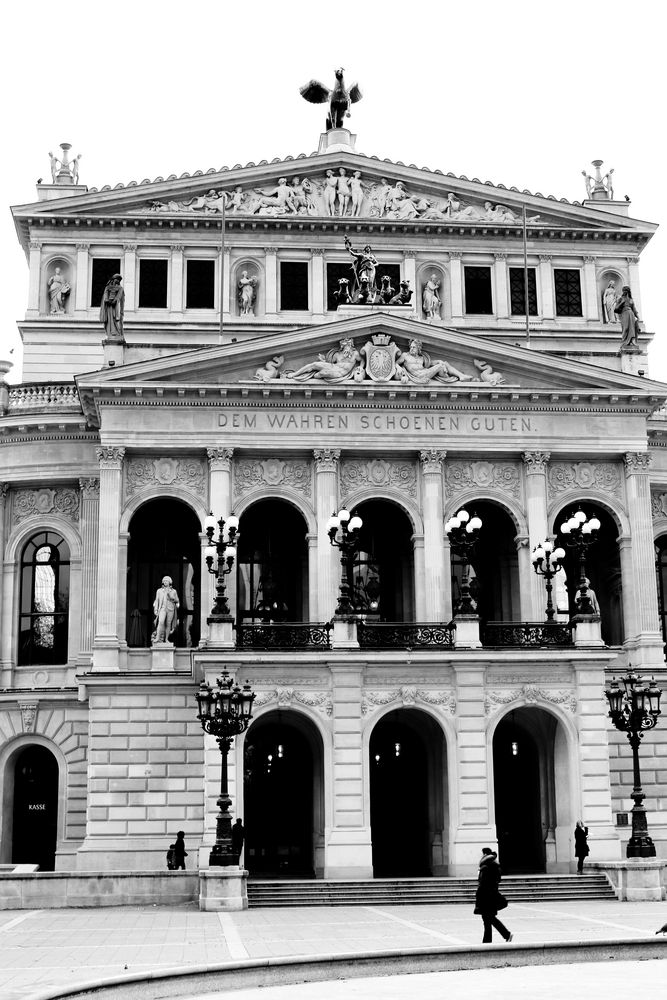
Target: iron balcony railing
(523,635)
(405,635)
(287,635)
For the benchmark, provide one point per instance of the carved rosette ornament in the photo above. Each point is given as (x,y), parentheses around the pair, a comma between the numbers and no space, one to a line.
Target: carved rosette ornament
(287,697)
(110,457)
(29,503)
(408,695)
(252,474)
(502,477)
(326,459)
(603,476)
(431,461)
(637,463)
(356,474)
(220,459)
(532,694)
(187,473)
(535,462)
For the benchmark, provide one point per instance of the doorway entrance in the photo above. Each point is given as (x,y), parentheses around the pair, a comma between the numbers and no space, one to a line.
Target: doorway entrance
(35,813)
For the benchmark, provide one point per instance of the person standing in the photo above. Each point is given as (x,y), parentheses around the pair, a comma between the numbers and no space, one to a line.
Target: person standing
(488,899)
(180,854)
(238,836)
(581,848)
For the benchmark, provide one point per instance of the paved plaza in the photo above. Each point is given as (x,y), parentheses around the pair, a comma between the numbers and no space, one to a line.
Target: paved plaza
(42,949)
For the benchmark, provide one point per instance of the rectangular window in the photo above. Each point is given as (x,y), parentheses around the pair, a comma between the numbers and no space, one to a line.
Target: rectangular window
(479,299)
(567,284)
(200,284)
(103,269)
(293,285)
(517,294)
(153,284)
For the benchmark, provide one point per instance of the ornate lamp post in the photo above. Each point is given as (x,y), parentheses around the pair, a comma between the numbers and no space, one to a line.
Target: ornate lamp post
(633,709)
(580,533)
(343,531)
(225,712)
(463,533)
(220,557)
(547,561)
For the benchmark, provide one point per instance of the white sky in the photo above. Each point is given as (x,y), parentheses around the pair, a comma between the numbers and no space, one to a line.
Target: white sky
(521,93)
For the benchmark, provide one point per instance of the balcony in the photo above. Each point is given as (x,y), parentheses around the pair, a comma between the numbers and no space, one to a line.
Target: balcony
(43,396)
(526,635)
(287,635)
(405,635)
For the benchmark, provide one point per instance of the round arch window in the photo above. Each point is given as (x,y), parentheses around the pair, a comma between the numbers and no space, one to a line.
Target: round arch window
(44,601)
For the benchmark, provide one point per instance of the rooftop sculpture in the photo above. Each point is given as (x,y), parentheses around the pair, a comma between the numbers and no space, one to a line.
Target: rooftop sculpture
(339,99)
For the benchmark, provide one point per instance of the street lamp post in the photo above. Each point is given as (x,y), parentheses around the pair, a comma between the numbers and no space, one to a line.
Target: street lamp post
(225,712)
(343,531)
(580,532)
(463,533)
(634,709)
(547,561)
(220,555)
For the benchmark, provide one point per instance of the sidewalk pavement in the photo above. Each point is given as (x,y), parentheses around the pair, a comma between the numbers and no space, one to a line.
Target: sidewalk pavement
(49,948)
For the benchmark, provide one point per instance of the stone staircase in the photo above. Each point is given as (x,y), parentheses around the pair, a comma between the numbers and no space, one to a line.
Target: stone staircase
(394,891)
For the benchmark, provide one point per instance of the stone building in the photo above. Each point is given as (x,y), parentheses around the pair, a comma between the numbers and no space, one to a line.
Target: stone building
(240,374)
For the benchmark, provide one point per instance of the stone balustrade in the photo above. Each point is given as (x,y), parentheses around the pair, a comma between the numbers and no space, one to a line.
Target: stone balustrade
(43,396)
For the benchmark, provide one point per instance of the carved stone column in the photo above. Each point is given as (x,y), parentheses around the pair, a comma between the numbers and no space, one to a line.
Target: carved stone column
(90,517)
(313,597)
(108,583)
(419,575)
(81,286)
(591,304)
(547,287)
(643,584)
(410,274)
(434,523)
(35,276)
(220,503)
(227,290)
(176,278)
(500,282)
(271,277)
(535,473)
(319,281)
(6,580)
(527,602)
(627,597)
(456,281)
(328,557)
(633,278)
(130,276)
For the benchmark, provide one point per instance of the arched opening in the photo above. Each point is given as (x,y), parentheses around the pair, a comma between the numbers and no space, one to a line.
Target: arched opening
(272,576)
(383,571)
(164,541)
(407,761)
(35,808)
(531,792)
(603,570)
(494,565)
(44,600)
(284,797)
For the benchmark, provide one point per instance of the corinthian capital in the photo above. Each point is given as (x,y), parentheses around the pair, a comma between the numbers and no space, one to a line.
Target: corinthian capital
(536,462)
(636,462)
(432,461)
(110,457)
(326,459)
(219,459)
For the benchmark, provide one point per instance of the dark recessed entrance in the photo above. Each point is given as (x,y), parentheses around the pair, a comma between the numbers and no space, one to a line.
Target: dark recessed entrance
(516,771)
(35,819)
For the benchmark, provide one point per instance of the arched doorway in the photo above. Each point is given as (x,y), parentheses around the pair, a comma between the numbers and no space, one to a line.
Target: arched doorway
(35,811)
(531,792)
(272,575)
(283,797)
(383,572)
(408,803)
(494,579)
(164,541)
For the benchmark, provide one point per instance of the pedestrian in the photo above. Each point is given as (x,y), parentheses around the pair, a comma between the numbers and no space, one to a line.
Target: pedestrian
(180,854)
(170,857)
(238,836)
(581,848)
(488,899)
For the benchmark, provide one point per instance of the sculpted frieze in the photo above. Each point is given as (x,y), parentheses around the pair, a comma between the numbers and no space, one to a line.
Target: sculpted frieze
(28,503)
(658,505)
(565,476)
(501,476)
(146,472)
(286,697)
(358,474)
(531,693)
(251,474)
(408,695)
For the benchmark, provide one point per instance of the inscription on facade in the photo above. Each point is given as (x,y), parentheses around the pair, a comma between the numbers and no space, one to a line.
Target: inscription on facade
(384,422)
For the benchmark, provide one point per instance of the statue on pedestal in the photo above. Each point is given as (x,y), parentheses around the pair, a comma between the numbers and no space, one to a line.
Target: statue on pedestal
(59,289)
(165,609)
(247,294)
(430,298)
(112,309)
(364,266)
(609,303)
(629,319)
(339,99)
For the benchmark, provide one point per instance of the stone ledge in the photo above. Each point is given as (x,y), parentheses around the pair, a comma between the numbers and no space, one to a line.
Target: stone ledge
(635,879)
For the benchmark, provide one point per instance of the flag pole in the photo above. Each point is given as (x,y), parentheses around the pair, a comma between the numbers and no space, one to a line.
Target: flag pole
(525,278)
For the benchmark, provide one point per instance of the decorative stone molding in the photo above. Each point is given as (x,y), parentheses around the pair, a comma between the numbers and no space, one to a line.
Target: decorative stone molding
(632,260)
(432,460)
(535,462)
(521,542)
(220,459)
(28,711)
(227,250)
(500,256)
(545,258)
(408,695)
(326,459)
(658,506)
(502,477)
(90,488)
(375,473)
(455,255)
(28,503)
(109,457)
(410,253)
(605,476)
(86,246)
(35,245)
(589,260)
(636,462)
(177,247)
(286,697)
(251,473)
(143,473)
(317,251)
(268,250)
(4,491)
(531,693)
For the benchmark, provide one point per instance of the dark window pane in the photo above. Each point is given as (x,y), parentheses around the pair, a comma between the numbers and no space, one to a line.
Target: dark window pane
(567,285)
(103,269)
(478,290)
(517,295)
(293,285)
(200,287)
(44,600)
(153,284)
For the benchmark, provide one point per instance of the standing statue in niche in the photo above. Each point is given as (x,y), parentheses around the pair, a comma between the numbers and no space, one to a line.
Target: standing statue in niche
(59,289)
(165,610)
(629,319)
(431,301)
(247,294)
(609,297)
(112,309)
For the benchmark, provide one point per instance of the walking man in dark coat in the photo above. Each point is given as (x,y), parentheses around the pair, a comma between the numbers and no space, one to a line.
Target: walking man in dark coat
(488,899)
(581,848)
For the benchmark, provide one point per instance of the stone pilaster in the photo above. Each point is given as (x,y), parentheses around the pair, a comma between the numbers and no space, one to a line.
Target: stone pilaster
(35,277)
(176,278)
(633,281)
(328,557)
(313,603)
(420,577)
(319,281)
(130,276)
(6,581)
(647,635)
(271,277)
(456,282)
(410,275)
(535,465)
(81,287)
(226,281)
(591,304)
(220,504)
(548,303)
(500,285)
(108,583)
(90,517)
(434,556)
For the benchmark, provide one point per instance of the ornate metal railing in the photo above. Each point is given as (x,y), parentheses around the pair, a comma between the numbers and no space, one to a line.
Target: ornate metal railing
(522,634)
(43,396)
(405,635)
(288,635)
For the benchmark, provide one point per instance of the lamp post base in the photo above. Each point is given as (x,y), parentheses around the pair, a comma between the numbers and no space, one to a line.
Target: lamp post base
(640,847)
(223,889)
(223,856)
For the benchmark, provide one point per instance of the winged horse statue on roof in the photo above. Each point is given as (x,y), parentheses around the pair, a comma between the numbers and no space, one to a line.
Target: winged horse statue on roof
(339,98)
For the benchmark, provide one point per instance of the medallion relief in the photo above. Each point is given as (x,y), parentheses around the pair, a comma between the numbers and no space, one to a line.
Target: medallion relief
(28,503)
(251,474)
(500,476)
(604,476)
(357,474)
(186,473)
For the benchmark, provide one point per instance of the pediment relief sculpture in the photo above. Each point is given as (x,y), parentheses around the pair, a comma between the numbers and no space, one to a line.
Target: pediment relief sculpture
(381,360)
